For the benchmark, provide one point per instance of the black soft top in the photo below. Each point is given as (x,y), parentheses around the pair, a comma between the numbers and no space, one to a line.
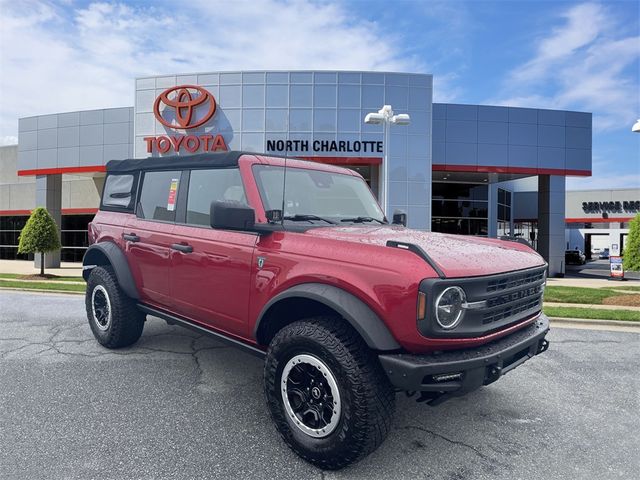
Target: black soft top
(201,160)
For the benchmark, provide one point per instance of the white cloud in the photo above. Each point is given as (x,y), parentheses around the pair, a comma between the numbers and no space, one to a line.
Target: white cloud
(588,62)
(55,57)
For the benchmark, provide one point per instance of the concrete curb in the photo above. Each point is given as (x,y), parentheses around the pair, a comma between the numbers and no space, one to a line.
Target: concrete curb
(589,321)
(38,290)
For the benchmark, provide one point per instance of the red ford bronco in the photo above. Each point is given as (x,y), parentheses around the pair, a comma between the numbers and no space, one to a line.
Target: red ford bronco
(295,262)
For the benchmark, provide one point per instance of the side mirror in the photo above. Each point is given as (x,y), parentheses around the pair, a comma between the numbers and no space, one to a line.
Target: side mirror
(399,218)
(232,216)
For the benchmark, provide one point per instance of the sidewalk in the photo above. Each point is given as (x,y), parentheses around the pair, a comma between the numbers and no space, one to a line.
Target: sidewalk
(592,306)
(590,283)
(25,267)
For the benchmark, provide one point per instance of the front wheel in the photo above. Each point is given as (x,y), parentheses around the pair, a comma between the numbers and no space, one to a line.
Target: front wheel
(327,393)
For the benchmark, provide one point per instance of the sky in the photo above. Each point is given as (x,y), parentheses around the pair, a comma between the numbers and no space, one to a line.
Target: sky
(585,56)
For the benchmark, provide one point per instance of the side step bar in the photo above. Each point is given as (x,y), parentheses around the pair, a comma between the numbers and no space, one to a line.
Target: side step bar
(175,320)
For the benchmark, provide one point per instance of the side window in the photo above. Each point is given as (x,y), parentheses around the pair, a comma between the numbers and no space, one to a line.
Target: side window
(118,191)
(206,186)
(159,196)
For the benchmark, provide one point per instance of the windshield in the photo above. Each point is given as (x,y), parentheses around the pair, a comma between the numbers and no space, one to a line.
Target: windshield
(327,195)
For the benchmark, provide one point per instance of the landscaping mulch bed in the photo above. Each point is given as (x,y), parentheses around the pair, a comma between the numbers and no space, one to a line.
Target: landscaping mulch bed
(623,300)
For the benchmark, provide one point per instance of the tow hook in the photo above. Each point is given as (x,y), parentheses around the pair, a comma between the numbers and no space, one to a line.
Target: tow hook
(493,374)
(543,346)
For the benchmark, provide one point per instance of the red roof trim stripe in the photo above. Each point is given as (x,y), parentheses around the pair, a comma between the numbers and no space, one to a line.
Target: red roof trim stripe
(64,170)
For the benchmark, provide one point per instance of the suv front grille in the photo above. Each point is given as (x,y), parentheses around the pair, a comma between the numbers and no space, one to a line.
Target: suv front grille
(495,302)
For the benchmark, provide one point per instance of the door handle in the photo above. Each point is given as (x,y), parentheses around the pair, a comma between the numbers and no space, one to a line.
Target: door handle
(182,247)
(131,237)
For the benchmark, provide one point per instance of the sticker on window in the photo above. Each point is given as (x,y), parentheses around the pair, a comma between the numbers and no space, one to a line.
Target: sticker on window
(173,189)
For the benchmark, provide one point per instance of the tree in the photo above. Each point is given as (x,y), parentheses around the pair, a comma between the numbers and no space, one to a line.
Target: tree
(631,260)
(40,234)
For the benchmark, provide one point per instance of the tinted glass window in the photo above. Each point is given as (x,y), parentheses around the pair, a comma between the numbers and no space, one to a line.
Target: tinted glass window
(118,190)
(206,186)
(159,196)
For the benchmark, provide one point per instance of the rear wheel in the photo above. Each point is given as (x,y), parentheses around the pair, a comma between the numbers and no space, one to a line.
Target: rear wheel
(327,394)
(113,316)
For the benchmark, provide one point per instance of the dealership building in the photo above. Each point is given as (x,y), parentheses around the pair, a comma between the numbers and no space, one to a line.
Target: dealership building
(455,168)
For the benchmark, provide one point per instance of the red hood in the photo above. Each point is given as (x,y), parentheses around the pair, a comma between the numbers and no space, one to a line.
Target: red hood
(456,255)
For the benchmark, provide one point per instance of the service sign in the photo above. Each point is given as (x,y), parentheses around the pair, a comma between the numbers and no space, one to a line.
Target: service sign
(185,107)
(617,270)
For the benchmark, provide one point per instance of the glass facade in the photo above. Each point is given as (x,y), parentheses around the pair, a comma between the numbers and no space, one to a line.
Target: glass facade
(504,213)
(73,236)
(460,208)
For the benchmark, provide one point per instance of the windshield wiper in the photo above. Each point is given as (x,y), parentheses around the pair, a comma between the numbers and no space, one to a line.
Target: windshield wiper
(362,220)
(302,217)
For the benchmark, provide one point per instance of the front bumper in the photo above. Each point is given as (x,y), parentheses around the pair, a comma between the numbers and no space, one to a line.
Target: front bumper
(454,373)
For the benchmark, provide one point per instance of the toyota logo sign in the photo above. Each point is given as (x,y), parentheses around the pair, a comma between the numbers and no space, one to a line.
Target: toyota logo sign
(185,107)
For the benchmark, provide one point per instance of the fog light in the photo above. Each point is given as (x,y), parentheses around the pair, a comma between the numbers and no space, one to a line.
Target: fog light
(449,307)
(446,377)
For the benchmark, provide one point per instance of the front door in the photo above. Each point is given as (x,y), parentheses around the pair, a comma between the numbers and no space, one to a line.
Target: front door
(149,237)
(209,277)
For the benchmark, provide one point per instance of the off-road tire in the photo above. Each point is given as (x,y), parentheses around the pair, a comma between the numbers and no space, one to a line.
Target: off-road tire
(126,321)
(366,396)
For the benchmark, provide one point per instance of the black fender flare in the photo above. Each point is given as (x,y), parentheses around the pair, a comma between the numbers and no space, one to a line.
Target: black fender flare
(94,256)
(366,322)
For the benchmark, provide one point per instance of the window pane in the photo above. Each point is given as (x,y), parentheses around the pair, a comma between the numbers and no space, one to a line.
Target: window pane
(452,208)
(300,120)
(459,191)
(300,95)
(324,120)
(372,97)
(118,191)
(349,96)
(277,96)
(301,77)
(325,77)
(349,120)
(277,77)
(253,96)
(159,195)
(461,226)
(206,186)
(253,120)
(325,96)
(277,120)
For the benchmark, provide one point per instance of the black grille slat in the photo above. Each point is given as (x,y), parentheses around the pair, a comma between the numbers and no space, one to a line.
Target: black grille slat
(515,281)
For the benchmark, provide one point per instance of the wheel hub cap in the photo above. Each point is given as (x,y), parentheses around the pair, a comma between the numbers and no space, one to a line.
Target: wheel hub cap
(101,307)
(310,395)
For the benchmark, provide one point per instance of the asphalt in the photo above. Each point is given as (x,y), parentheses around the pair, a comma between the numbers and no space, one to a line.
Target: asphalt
(176,405)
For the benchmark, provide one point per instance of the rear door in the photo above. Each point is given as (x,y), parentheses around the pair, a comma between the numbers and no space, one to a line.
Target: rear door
(149,235)
(210,275)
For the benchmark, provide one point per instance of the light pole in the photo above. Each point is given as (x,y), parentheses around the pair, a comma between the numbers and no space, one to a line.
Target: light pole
(636,127)
(386,117)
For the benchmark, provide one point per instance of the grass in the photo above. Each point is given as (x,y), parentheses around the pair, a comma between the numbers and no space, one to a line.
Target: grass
(593,296)
(19,276)
(631,289)
(592,313)
(44,286)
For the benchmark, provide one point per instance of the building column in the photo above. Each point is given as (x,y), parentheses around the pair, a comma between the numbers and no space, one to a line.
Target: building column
(551,222)
(49,196)
(492,215)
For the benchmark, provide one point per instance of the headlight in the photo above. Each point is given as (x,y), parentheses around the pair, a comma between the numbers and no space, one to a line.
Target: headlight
(449,307)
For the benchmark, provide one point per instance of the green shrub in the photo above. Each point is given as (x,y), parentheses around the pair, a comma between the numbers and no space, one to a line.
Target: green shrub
(39,235)
(631,260)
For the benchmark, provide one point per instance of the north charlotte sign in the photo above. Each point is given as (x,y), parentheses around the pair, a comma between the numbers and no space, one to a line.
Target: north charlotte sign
(183,108)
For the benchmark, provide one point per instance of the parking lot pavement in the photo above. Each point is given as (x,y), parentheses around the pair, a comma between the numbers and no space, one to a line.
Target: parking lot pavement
(177,405)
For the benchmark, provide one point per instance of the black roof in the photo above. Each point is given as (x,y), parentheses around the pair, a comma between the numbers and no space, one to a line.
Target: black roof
(219,159)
